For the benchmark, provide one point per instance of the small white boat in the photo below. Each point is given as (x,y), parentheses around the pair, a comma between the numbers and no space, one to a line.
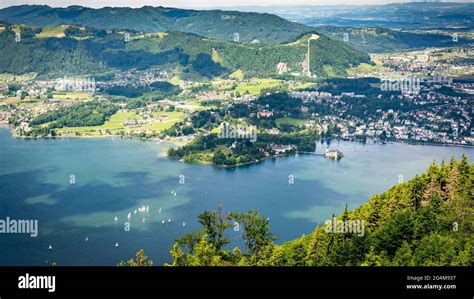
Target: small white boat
(159,211)
(184,223)
(50,247)
(116,244)
(147,209)
(129,215)
(116,218)
(134,212)
(169,220)
(86,239)
(163,222)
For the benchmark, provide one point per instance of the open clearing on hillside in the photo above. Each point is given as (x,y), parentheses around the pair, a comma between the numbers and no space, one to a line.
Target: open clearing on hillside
(290,121)
(56,31)
(116,123)
(255,86)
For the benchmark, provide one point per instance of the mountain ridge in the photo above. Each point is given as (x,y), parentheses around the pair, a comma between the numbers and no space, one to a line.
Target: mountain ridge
(88,51)
(223,25)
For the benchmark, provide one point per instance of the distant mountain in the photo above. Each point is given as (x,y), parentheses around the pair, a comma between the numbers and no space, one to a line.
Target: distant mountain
(377,40)
(88,51)
(223,25)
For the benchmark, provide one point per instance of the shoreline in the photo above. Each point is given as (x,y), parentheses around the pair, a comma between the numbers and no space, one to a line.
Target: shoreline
(411,142)
(172,140)
(177,141)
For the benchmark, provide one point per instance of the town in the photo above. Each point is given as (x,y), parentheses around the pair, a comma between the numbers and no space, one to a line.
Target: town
(438,109)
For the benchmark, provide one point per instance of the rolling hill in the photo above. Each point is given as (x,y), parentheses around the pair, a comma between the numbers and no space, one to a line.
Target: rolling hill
(219,24)
(377,39)
(90,51)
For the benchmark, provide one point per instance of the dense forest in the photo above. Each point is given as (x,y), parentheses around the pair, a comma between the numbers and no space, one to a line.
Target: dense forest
(379,40)
(218,24)
(231,151)
(159,90)
(92,113)
(89,51)
(427,221)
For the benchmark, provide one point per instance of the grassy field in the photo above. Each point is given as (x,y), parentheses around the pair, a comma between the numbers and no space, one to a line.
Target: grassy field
(329,71)
(115,123)
(255,86)
(72,96)
(303,85)
(176,80)
(290,121)
(56,31)
(62,96)
(6,77)
(173,117)
(363,68)
(216,57)
(10,100)
(198,105)
(238,74)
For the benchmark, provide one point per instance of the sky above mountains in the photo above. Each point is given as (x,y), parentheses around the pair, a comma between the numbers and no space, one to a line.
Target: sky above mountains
(200,3)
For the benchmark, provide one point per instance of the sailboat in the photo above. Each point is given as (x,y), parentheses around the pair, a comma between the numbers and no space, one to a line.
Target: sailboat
(50,247)
(116,244)
(169,220)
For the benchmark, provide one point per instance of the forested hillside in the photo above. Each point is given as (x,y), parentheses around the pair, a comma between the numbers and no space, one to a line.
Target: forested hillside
(378,40)
(427,221)
(219,24)
(90,51)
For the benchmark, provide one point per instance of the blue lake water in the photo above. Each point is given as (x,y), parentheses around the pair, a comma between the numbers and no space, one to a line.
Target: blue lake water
(114,177)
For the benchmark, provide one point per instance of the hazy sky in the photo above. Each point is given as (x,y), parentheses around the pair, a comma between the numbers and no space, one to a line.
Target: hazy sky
(194,3)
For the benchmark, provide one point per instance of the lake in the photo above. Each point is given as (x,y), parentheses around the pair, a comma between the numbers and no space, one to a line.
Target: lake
(76,187)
